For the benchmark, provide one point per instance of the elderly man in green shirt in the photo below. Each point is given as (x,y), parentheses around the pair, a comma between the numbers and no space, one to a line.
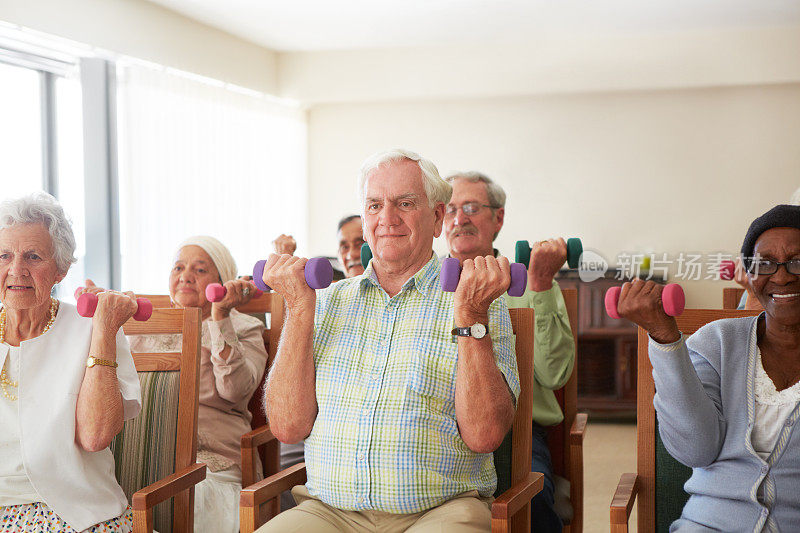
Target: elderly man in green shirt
(473,218)
(400,390)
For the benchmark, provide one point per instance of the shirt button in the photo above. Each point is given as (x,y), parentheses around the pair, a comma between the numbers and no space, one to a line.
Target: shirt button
(764,512)
(361,500)
(764,470)
(789,422)
(361,457)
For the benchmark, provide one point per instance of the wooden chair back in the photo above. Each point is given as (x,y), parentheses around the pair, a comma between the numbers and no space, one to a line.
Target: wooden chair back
(136,441)
(731,297)
(562,451)
(268,303)
(646,430)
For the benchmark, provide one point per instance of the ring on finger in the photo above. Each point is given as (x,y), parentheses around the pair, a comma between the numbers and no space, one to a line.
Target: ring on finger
(245,291)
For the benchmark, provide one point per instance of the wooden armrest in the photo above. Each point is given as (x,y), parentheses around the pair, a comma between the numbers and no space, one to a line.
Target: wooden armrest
(578,430)
(168,487)
(270,487)
(512,500)
(625,495)
(257,437)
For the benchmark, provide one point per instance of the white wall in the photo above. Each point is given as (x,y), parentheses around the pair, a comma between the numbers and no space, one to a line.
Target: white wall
(546,65)
(146,31)
(671,171)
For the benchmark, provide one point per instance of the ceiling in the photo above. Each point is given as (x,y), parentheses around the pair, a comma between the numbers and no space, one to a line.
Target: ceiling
(358,24)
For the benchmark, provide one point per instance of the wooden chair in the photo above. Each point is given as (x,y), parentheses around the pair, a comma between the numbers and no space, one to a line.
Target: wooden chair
(254,446)
(565,440)
(156,453)
(658,483)
(731,297)
(511,509)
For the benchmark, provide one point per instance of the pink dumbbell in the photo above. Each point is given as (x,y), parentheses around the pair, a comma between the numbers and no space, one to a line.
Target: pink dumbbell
(727,270)
(87,305)
(450,275)
(672,298)
(216,292)
(318,273)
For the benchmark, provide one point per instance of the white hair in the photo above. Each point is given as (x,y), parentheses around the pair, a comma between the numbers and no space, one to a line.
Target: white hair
(41,208)
(795,200)
(436,189)
(496,194)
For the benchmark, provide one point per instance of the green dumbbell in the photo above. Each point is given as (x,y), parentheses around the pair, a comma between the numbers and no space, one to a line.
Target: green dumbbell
(366,255)
(574,251)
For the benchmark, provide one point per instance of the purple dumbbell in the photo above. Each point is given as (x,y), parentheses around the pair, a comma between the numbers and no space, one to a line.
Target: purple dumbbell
(318,272)
(451,274)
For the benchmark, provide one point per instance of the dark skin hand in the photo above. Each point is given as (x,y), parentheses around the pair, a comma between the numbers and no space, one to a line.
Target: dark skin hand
(640,302)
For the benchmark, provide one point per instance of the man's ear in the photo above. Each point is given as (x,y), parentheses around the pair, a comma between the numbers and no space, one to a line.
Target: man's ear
(438,218)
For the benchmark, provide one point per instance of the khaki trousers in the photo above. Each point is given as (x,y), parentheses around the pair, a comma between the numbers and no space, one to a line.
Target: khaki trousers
(467,512)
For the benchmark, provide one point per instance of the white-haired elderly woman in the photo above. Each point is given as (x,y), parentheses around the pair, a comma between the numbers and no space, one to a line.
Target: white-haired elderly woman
(232,363)
(59,408)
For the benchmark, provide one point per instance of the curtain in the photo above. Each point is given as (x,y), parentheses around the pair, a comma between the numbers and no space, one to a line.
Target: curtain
(199,157)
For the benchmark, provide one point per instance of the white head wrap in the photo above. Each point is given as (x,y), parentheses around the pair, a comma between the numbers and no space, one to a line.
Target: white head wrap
(221,256)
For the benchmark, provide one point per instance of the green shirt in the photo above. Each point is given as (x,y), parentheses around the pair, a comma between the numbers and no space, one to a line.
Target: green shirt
(553,350)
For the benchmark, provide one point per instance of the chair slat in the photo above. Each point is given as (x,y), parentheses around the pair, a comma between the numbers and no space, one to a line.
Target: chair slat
(157,362)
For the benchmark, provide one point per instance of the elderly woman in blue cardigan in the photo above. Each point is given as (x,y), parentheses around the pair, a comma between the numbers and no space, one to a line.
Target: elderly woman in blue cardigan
(727,397)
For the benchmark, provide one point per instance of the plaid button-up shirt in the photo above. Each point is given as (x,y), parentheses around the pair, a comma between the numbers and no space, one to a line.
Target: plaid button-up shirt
(385,437)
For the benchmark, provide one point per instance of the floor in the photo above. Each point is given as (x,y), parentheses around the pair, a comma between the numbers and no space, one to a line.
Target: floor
(609,450)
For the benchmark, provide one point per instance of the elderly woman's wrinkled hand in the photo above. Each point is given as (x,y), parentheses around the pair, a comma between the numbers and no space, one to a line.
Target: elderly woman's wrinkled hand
(238,292)
(640,302)
(89,287)
(113,310)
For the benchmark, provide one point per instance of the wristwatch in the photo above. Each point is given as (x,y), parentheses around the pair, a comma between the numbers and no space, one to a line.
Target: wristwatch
(92,361)
(476,330)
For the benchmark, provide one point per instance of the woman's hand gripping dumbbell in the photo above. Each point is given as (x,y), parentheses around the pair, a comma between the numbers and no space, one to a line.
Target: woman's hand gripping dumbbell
(545,258)
(117,306)
(452,270)
(225,297)
(649,305)
(295,278)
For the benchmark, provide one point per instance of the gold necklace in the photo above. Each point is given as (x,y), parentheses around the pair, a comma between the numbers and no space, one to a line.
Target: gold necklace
(4,381)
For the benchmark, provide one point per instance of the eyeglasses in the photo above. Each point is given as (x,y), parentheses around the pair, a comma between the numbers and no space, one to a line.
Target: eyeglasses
(767,267)
(469,208)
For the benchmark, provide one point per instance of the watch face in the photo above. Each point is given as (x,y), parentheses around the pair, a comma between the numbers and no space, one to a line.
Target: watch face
(477,330)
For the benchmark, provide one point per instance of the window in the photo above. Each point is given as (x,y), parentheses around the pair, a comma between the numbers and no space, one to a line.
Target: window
(197,157)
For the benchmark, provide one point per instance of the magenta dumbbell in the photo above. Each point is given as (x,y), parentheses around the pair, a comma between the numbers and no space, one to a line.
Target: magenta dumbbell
(318,273)
(672,298)
(727,270)
(451,274)
(216,292)
(87,305)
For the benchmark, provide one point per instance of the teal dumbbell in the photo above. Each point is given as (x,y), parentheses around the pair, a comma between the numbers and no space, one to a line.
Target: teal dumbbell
(366,255)
(574,251)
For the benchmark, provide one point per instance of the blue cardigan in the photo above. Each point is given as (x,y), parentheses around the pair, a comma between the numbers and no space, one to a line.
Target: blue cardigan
(705,403)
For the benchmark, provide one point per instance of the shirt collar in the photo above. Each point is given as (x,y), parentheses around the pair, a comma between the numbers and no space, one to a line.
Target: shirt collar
(424,280)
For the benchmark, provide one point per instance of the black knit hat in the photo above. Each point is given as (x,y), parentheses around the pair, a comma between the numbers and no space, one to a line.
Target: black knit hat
(780,216)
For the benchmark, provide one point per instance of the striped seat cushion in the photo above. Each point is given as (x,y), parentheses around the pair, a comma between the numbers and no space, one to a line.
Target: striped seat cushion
(144,451)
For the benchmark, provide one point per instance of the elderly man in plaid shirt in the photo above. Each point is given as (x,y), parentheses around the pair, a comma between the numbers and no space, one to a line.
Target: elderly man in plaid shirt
(400,414)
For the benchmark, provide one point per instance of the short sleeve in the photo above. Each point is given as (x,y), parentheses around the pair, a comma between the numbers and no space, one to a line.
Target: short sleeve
(128,379)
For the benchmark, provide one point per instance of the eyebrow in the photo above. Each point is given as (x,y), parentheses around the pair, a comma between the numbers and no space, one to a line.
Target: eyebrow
(406,196)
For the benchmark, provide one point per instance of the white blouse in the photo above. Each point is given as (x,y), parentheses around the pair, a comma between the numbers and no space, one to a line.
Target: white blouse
(772,410)
(79,486)
(15,487)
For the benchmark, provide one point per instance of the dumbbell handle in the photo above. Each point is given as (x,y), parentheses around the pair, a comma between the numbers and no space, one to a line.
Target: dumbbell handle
(673,300)
(318,273)
(216,292)
(451,274)
(87,305)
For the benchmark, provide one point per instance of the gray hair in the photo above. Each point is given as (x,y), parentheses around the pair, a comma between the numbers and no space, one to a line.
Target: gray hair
(497,196)
(436,189)
(795,200)
(41,208)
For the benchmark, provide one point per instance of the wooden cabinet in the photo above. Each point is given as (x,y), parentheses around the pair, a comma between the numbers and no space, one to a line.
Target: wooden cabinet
(606,350)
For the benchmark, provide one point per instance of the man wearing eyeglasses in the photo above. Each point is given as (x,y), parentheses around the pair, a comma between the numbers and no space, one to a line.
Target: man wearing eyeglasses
(473,219)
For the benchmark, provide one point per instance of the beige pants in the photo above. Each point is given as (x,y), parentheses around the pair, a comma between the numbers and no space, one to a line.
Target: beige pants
(465,513)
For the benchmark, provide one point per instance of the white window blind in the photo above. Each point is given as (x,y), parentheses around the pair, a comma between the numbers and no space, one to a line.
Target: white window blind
(198,158)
